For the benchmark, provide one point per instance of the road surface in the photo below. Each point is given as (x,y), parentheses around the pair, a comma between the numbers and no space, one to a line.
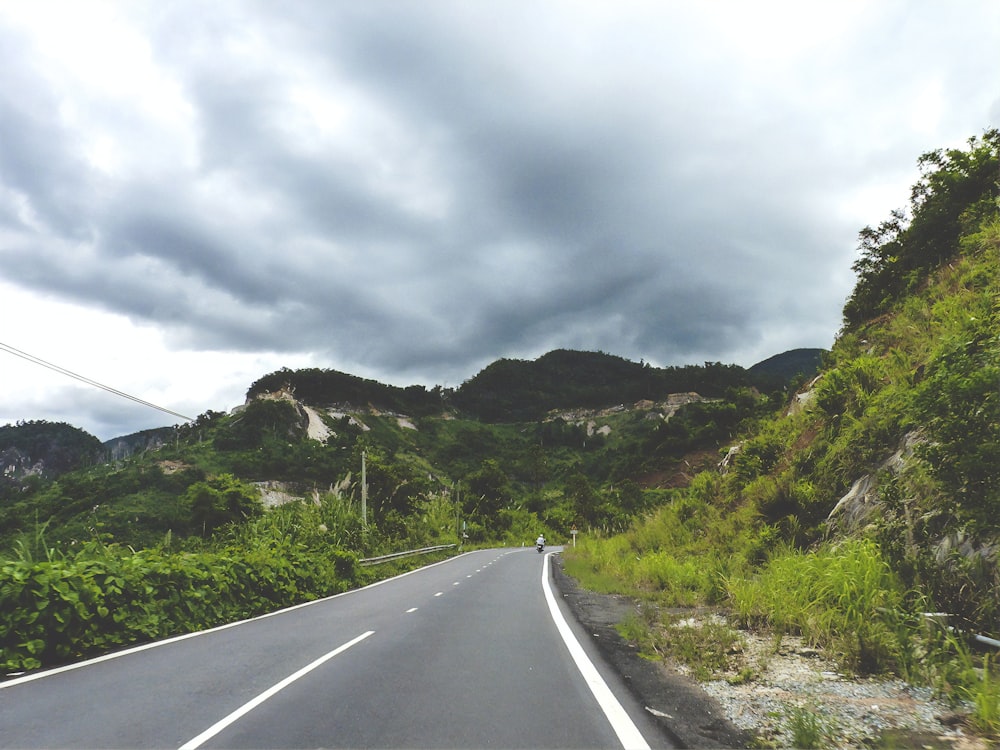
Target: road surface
(472,652)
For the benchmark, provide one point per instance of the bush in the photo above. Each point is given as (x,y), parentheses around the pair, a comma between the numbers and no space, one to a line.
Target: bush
(65,608)
(959,403)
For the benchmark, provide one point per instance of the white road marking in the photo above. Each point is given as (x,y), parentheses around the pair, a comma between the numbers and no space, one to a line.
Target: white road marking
(411,609)
(270,692)
(628,733)
(439,593)
(31,676)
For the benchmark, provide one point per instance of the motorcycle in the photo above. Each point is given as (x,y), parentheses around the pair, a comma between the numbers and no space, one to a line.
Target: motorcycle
(540,547)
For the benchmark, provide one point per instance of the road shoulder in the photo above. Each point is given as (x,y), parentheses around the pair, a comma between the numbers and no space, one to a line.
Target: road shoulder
(680,707)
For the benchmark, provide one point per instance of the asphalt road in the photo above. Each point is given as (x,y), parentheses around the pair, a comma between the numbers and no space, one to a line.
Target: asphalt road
(471,652)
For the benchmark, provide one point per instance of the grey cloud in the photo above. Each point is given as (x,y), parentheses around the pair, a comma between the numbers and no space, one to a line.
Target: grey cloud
(35,161)
(503,179)
(102,414)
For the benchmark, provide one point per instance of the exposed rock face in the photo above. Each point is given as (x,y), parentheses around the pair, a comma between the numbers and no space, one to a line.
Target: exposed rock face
(655,410)
(854,509)
(15,464)
(727,460)
(804,398)
(273,493)
(46,449)
(317,428)
(123,447)
(312,417)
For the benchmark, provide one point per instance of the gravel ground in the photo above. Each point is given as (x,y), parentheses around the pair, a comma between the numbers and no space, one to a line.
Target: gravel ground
(848,712)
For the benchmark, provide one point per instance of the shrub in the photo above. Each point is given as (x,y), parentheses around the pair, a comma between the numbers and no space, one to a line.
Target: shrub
(60,609)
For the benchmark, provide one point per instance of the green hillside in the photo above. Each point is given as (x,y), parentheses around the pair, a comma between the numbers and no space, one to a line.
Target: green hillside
(873,496)
(512,390)
(618,425)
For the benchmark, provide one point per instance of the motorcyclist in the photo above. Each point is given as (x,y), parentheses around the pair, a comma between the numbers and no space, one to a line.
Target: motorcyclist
(540,542)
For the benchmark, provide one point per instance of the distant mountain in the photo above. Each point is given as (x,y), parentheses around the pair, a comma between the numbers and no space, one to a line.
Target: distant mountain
(124,446)
(511,390)
(45,448)
(789,365)
(330,387)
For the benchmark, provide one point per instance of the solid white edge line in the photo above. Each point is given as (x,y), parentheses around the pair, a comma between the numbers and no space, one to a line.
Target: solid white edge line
(270,692)
(628,733)
(184,636)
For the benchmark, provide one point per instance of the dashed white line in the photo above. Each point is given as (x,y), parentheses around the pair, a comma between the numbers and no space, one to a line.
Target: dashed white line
(411,609)
(439,593)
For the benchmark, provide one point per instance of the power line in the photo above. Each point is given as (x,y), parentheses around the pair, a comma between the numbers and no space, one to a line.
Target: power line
(88,381)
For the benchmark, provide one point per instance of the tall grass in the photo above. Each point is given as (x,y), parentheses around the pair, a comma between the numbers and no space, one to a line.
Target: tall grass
(957,673)
(807,728)
(843,596)
(679,554)
(614,565)
(984,693)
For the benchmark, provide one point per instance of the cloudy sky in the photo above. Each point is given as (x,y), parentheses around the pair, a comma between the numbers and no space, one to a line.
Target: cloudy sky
(195,194)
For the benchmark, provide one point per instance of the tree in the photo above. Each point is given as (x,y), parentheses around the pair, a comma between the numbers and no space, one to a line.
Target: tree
(878,281)
(487,488)
(585,499)
(219,501)
(630,497)
(957,187)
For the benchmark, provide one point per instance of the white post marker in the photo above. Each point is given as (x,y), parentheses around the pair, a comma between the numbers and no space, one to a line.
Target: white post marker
(628,733)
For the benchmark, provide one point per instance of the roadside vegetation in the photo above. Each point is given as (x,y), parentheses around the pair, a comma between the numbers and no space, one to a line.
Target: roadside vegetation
(239,514)
(872,498)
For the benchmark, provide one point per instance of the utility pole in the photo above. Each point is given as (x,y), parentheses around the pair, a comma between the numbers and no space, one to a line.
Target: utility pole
(364,494)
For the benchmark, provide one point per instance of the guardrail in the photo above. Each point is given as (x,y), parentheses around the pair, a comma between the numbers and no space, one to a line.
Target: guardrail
(407,553)
(941,619)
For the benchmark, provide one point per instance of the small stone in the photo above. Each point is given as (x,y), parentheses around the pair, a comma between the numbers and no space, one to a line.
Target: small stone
(951,720)
(658,713)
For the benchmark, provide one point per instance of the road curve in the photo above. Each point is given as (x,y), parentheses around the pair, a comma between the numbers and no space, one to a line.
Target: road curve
(477,651)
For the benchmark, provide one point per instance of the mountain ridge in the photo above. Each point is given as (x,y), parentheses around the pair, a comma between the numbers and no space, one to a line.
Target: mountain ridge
(505,390)
(515,389)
